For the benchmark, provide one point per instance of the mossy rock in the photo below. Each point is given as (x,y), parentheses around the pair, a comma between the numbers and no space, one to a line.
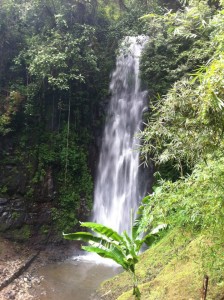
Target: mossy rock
(20,235)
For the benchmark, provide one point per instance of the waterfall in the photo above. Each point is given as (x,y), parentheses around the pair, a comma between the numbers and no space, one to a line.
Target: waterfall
(118,187)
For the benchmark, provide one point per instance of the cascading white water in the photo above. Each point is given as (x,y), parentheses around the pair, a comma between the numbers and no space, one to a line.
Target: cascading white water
(117,189)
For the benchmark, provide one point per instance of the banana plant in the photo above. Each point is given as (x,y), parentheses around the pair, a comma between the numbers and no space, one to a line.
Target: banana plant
(121,248)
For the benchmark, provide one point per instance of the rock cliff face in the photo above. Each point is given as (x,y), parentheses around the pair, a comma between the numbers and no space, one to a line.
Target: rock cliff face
(19,220)
(30,192)
(25,205)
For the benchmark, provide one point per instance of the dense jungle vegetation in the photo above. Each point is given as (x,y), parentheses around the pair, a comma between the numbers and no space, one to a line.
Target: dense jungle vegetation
(56,59)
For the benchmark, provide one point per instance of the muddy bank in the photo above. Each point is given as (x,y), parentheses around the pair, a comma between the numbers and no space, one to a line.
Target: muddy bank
(14,256)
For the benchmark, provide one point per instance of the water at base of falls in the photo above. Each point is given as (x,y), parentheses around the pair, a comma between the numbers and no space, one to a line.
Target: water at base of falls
(95,258)
(74,279)
(118,187)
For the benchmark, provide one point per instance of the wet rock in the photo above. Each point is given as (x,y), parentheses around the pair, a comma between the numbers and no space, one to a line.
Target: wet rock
(2,209)
(4,201)
(12,213)
(4,221)
(18,203)
(5,214)
(14,177)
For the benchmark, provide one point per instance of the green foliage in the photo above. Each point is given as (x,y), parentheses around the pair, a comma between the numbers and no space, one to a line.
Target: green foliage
(178,44)
(185,127)
(187,122)
(8,108)
(195,204)
(75,187)
(60,56)
(22,234)
(109,9)
(190,201)
(73,194)
(121,248)
(43,161)
(3,190)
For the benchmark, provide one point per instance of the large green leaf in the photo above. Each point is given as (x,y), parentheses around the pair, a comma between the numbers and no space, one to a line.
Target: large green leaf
(114,254)
(91,239)
(104,231)
(122,249)
(85,237)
